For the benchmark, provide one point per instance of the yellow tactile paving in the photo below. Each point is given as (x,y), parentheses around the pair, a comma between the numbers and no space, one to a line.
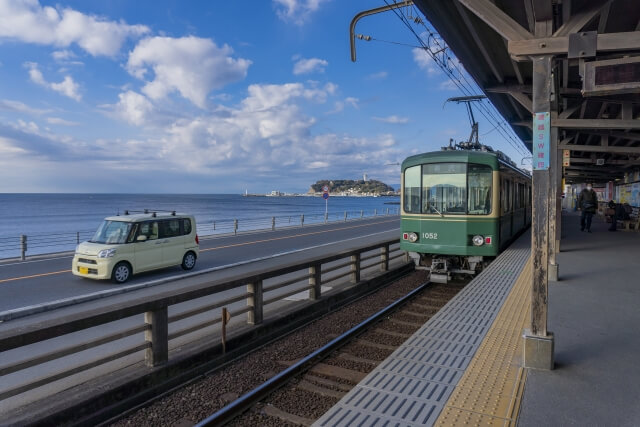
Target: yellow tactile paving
(490,391)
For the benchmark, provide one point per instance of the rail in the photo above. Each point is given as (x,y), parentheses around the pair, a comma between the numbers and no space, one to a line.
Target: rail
(42,243)
(244,402)
(161,313)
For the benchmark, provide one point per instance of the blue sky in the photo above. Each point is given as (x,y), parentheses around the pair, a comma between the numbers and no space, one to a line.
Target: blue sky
(171,96)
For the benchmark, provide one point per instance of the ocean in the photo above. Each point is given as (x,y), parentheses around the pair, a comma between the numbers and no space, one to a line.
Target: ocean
(54,222)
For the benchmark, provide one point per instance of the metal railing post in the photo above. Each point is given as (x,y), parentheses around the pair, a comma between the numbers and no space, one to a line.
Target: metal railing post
(387,211)
(375,212)
(23,246)
(315,281)
(78,237)
(345,215)
(355,268)
(361,214)
(158,336)
(255,301)
(326,217)
(273,223)
(302,220)
(235,226)
(214,226)
(384,258)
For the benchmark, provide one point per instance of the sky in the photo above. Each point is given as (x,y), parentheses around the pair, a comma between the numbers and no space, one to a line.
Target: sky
(170,96)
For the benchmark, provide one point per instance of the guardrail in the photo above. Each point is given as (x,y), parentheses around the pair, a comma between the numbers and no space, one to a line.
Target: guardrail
(258,290)
(41,243)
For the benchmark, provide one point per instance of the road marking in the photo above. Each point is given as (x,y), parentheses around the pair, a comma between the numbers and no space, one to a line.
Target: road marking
(218,248)
(34,261)
(35,275)
(38,308)
(289,237)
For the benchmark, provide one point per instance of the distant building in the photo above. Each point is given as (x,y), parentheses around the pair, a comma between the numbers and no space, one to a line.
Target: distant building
(365,177)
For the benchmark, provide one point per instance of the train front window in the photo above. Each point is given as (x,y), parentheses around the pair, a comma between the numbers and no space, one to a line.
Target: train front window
(444,188)
(412,189)
(479,179)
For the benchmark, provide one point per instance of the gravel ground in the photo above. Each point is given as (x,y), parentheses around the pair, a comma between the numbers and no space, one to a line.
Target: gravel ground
(200,399)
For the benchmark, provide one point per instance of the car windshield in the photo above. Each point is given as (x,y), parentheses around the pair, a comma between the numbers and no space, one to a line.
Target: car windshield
(112,232)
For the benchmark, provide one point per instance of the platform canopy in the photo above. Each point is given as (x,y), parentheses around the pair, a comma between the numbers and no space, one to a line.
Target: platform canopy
(596,66)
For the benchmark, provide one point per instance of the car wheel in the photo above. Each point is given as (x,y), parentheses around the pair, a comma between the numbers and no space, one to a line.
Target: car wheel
(188,261)
(121,272)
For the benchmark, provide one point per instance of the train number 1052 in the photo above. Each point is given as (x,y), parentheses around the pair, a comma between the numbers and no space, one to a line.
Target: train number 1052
(432,236)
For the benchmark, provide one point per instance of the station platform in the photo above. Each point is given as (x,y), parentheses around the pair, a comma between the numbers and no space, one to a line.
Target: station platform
(464,366)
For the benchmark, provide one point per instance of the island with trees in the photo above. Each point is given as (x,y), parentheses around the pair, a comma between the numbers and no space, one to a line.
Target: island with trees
(349,187)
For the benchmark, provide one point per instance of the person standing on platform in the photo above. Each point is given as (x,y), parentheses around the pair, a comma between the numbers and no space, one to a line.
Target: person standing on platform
(588,203)
(612,212)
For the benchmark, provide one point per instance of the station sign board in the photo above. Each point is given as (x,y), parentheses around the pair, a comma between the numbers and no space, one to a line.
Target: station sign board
(541,140)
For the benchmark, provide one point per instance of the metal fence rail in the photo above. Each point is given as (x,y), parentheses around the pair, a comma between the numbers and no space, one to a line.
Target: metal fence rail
(41,243)
(34,370)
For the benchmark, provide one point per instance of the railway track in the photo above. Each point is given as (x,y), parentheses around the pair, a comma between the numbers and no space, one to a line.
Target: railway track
(296,379)
(311,386)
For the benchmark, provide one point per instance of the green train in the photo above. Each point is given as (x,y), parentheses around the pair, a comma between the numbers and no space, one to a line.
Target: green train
(460,208)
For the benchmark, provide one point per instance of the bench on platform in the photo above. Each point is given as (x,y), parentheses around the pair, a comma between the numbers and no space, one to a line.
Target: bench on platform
(633,223)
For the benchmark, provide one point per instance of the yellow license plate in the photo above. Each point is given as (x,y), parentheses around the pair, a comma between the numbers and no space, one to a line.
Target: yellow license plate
(83,270)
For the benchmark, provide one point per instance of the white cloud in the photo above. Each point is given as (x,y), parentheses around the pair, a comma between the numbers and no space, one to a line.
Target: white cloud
(20,107)
(63,55)
(29,22)
(191,66)
(378,76)
(338,106)
(448,85)
(296,11)
(61,122)
(392,119)
(263,97)
(424,61)
(352,101)
(133,108)
(66,87)
(266,137)
(311,65)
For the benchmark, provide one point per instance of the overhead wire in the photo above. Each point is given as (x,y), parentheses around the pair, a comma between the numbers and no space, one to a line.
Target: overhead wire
(462,82)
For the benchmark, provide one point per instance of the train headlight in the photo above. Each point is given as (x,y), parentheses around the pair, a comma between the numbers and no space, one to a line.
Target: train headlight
(413,237)
(478,240)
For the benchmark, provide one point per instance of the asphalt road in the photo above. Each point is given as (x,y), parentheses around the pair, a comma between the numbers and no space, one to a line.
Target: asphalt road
(46,279)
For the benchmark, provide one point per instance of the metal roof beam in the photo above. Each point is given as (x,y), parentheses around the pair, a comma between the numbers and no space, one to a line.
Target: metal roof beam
(478,40)
(606,162)
(599,149)
(580,19)
(523,100)
(520,50)
(494,17)
(621,135)
(569,111)
(604,16)
(596,124)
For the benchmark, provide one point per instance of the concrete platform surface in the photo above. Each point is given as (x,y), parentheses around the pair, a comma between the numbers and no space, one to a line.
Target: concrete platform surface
(594,312)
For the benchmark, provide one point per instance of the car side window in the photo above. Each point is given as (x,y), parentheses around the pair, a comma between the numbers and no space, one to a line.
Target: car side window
(186,223)
(134,233)
(169,228)
(149,229)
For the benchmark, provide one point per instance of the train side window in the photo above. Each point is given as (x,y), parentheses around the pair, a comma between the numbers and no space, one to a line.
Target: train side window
(479,189)
(411,186)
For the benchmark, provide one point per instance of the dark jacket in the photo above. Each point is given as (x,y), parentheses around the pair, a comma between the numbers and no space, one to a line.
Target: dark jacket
(588,201)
